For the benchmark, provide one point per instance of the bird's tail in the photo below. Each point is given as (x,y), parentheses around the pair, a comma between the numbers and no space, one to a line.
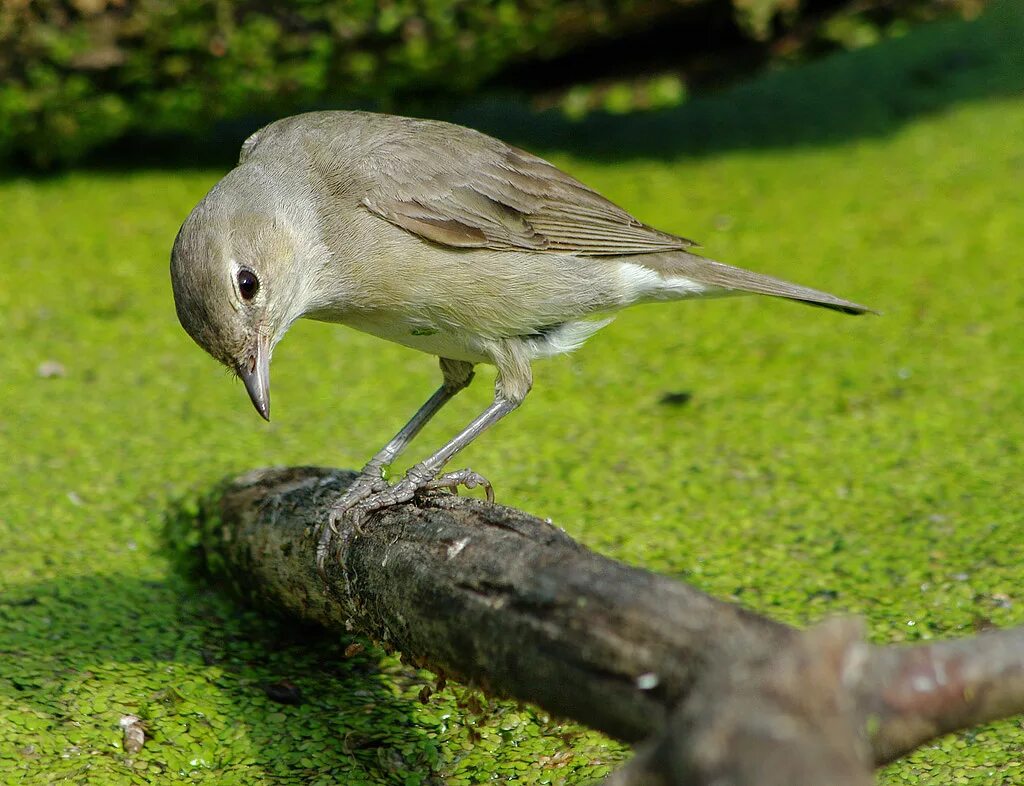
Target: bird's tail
(735,279)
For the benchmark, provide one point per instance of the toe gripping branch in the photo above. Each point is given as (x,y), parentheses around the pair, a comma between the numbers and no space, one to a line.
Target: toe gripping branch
(370,492)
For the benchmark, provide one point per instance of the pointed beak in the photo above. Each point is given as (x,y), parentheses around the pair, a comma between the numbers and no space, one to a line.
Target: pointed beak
(255,373)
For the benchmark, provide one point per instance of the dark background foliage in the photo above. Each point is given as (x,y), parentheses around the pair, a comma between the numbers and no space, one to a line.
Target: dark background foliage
(79,74)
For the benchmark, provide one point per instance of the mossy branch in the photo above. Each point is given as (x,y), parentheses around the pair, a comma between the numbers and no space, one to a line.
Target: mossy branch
(509,603)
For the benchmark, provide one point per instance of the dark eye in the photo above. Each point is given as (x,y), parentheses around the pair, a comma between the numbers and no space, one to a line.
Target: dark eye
(248,284)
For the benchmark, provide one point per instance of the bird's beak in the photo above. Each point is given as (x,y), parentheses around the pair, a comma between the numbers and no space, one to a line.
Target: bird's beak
(255,373)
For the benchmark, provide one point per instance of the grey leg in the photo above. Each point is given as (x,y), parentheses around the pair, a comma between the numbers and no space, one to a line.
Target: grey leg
(425,474)
(401,440)
(457,376)
(514,382)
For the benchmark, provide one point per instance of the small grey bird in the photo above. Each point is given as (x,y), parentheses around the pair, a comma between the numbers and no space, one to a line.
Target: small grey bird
(431,235)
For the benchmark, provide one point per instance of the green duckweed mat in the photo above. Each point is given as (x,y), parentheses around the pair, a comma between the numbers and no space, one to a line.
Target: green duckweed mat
(797,461)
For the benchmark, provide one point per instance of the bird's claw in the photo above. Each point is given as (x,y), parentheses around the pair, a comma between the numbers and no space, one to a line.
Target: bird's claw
(365,486)
(451,481)
(370,493)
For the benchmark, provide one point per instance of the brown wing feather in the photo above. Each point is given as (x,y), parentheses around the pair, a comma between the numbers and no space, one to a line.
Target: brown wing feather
(487,194)
(462,189)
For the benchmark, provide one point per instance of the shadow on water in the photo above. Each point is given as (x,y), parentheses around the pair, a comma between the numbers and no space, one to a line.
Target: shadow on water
(870,92)
(78,652)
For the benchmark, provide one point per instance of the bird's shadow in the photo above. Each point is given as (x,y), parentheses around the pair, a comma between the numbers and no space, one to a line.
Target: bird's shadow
(186,658)
(870,92)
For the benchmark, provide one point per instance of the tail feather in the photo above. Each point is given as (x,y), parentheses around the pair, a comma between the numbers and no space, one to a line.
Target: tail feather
(719,275)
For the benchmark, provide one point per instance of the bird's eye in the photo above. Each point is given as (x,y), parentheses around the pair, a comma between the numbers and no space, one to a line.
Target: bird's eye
(248,284)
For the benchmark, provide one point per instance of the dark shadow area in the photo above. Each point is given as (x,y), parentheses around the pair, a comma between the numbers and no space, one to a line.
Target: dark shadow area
(704,41)
(201,672)
(866,93)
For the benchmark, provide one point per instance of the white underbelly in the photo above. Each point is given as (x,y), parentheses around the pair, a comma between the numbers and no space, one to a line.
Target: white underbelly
(412,333)
(550,304)
(461,346)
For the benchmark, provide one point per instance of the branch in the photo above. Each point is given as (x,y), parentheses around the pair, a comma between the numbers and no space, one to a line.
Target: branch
(910,695)
(509,603)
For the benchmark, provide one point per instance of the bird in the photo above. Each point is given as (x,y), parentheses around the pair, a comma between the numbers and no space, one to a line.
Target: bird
(434,236)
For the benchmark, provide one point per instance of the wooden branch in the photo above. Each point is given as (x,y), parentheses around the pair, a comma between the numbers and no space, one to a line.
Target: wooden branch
(507,602)
(910,695)
(784,718)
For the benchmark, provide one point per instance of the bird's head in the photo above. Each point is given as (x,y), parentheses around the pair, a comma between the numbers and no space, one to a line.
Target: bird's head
(236,288)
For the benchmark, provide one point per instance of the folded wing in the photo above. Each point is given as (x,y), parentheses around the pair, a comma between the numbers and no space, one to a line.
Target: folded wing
(496,196)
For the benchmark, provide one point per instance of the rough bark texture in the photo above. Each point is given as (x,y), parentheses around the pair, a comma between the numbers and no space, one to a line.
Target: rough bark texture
(508,602)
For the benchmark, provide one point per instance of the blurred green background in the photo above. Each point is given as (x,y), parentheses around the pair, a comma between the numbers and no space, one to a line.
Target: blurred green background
(799,462)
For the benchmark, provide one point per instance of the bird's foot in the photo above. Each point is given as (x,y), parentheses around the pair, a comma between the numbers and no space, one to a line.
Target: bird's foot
(370,492)
(368,483)
(419,481)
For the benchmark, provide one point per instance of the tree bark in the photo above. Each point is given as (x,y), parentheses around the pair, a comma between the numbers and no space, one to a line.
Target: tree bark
(508,602)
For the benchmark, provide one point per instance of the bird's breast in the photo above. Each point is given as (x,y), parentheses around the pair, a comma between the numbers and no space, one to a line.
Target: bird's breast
(410,331)
(455,302)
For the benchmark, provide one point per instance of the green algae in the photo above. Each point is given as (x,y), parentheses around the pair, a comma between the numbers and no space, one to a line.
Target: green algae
(797,461)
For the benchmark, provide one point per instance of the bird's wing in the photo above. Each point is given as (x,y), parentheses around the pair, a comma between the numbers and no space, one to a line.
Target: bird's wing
(487,194)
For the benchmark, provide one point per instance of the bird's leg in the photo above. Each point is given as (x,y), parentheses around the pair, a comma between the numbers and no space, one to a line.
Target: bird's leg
(425,475)
(514,382)
(370,481)
(457,376)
